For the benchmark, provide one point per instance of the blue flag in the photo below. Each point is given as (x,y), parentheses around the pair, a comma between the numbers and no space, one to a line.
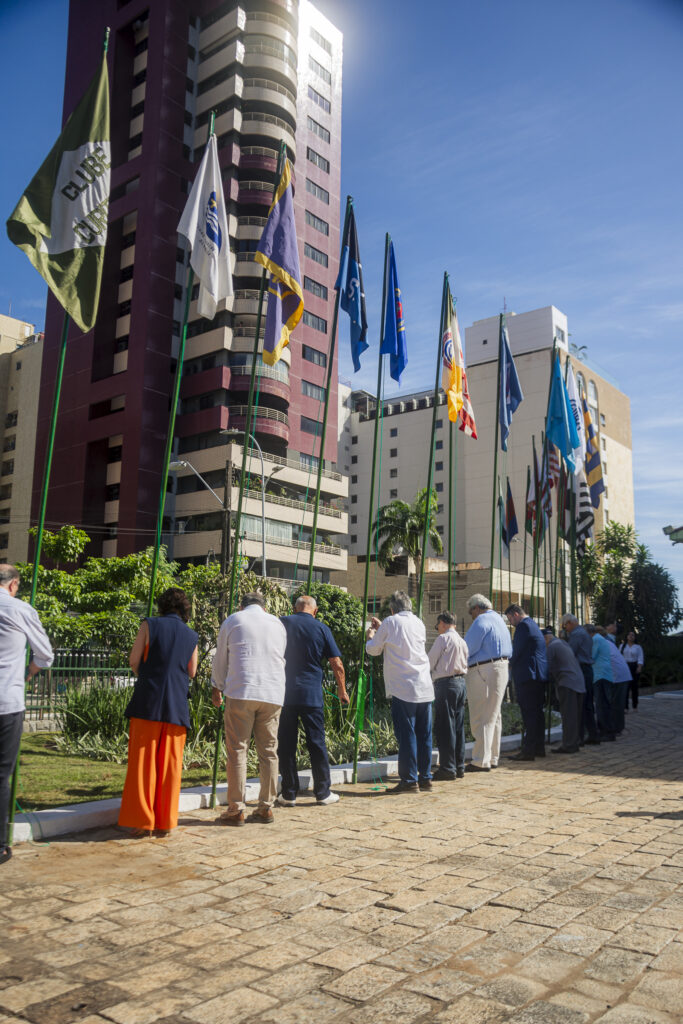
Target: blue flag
(352,294)
(278,253)
(510,389)
(560,425)
(394,337)
(509,527)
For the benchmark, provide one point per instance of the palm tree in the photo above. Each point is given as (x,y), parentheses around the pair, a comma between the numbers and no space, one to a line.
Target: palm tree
(400,529)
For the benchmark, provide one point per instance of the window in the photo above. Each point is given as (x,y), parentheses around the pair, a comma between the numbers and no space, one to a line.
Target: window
(354,479)
(310,426)
(602,419)
(354,460)
(393,453)
(10,443)
(7,468)
(313,356)
(354,519)
(438,488)
(319,70)
(112,492)
(312,390)
(603,444)
(318,223)
(318,129)
(315,288)
(559,334)
(315,254)
(354,439)
(393,493)
(439,510)
(17,365)
(4,541)
(318,160)
(581,383)
(439,530)
(310,461)
(317,323)
(438,446)
(354,499)
(321,41)
(316,190)
(114,453)
(393,432)
(439,424)
(393,473)
(354,538)
(11,419)
(5,492)
(435,603)
(438,467)
(323,103)
(140,77)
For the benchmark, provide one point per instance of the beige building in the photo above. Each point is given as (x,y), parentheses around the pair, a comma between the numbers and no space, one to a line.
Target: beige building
(406,430)
(21,351)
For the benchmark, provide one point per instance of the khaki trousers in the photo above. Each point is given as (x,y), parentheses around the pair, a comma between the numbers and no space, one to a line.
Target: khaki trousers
(242,717)
(485,691)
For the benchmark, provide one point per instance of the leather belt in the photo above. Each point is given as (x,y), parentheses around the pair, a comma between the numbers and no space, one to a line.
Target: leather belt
(488,662)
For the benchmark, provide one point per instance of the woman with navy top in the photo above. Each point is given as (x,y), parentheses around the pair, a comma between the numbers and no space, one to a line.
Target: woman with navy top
(163,655)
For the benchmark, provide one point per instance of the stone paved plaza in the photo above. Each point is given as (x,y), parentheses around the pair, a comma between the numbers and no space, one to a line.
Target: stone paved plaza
(543,893)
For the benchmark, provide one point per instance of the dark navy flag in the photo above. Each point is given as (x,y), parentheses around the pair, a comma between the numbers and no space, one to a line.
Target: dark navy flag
(510,388)
(509,529)
(352,294)
(394,337)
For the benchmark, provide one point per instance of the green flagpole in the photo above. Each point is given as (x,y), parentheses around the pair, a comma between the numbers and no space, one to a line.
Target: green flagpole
(243,478)
(500,556)
(507,481)
(495,459)
(430,474)
(330,364)
(535,522)
(528,481)
(360,689)
(451,503)
(47,470)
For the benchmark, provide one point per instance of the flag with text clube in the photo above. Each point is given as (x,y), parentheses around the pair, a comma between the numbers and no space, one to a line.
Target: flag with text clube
(204,224)
(60,222)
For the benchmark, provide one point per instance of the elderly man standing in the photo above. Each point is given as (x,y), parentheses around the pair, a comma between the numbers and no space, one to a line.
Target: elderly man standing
(448,664)
(19,626)
(603,680)
(407,680)
(529,673)
(308,643)
(582,647)
(565,672)
(489,646)
(249,668)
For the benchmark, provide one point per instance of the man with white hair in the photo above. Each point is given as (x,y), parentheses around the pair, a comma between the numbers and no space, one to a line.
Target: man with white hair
(582,647)
(407,680)
(309,643)
(489,648)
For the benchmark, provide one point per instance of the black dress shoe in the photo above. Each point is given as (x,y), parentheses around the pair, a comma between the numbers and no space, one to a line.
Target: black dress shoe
(425,785)
(592,741)
(5,854)
(460,773)
(563,750)
(475,768)
(404,787)
(521,756)
(441,775)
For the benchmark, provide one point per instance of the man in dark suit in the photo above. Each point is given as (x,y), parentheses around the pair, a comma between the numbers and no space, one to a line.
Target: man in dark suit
(529,673)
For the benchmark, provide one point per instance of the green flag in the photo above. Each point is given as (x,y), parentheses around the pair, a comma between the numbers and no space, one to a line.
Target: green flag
(60,222)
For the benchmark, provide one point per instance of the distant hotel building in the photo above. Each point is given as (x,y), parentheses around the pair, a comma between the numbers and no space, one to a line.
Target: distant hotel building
(407,428)
(272,71)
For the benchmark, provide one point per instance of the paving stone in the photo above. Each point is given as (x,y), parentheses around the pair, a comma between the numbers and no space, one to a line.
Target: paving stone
(520,938)
(294,980)
(511,990)
(470,1009)
(490,918)
(140,1011)
(18,997)
(313,1006)
(400,1005)
(580,939)
(440,983)
(617,966)
(78,1003)
(642,938)
(547,1013)
(364,983)
(627,1013)
(243,1003)
(414,958)
(660,990)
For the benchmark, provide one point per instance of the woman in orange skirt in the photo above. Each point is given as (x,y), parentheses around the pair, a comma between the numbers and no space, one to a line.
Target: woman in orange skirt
(163,656)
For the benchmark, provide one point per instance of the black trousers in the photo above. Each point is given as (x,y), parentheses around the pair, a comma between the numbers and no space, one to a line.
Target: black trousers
(633,685)
(571,710)
(10,738)
(313,721)
(589,719)
(449,722)
(531,697)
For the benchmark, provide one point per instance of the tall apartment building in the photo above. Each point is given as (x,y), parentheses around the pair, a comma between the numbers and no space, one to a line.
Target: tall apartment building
(271,69)
(21,352)
(406,432)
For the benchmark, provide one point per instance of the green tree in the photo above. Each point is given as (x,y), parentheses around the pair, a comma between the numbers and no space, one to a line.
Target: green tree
(400,529)
(64,547)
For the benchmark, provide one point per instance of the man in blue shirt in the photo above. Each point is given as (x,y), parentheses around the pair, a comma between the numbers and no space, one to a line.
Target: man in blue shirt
(603,680)
(489,649)
(529,673)
(308,643)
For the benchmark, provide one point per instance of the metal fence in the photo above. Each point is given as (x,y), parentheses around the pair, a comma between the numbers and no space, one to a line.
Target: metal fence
(73,670)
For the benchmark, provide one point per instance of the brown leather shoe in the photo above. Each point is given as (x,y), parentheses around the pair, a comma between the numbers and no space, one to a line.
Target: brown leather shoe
(231,819)
(262,817)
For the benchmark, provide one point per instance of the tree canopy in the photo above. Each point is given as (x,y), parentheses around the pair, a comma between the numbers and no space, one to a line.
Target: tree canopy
(400,527)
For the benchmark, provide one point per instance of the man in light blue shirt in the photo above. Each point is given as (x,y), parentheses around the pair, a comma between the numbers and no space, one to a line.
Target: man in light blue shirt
(603,681)
(19,625)
(489,648)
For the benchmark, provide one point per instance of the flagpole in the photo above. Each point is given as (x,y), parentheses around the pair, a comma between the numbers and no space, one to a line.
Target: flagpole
(500,556)
(47,470)
(243,476)
(451,503)
(321,453)
(495,458)
(360,688)
(430,474)
(507,484)
(535,522)
(526,493)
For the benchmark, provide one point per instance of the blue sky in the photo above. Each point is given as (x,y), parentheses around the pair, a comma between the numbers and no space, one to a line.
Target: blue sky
(532,149)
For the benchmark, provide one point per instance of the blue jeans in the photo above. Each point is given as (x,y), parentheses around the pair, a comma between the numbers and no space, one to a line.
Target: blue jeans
(413,728)
(602,691)
(313,721)
(449,722)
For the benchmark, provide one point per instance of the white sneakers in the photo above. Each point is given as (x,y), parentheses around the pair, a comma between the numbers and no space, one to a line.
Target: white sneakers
(281,802)
(333,798)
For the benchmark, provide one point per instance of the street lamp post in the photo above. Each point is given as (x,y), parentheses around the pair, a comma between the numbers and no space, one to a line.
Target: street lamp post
(264,481)
(225,505)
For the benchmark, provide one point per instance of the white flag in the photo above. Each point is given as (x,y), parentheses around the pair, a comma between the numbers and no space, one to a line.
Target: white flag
(575,402)
(205,225)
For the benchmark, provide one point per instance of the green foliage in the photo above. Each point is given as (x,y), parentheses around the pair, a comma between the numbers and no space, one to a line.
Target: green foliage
(624,584)
(401,526)
(67,545)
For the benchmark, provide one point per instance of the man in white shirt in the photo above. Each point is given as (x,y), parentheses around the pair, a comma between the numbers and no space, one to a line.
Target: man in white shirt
(249,669)
(19,626)
(448,664)
(635,659)
(407,680)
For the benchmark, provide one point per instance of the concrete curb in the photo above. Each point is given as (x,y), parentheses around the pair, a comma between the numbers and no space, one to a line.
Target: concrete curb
(60,821)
